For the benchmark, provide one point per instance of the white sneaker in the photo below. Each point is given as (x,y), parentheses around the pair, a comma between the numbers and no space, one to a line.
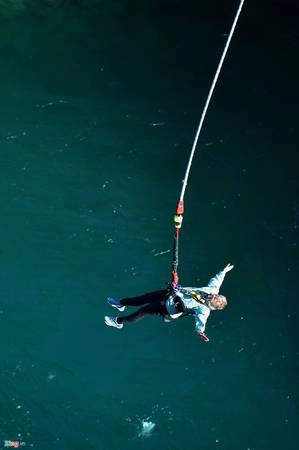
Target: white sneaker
(113,302)
(112,322)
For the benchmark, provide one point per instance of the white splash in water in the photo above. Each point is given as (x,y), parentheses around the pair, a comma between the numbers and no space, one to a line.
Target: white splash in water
(147,428)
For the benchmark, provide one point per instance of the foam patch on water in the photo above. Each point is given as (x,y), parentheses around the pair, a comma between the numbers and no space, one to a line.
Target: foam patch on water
(147,427)
(145,424)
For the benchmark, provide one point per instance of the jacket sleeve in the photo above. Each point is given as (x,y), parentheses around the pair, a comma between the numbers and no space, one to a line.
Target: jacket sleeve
(215,282)
(201,316)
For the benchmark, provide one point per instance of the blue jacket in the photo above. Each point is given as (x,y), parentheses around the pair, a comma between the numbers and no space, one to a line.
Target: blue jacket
(200,311)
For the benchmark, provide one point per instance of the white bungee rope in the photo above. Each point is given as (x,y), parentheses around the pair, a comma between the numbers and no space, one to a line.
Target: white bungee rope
(178,218)
(185,181)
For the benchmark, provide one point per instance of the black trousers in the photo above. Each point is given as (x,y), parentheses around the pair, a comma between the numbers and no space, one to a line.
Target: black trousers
(151,303)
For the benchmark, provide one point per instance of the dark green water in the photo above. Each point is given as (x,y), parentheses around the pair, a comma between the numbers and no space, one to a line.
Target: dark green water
(99,106)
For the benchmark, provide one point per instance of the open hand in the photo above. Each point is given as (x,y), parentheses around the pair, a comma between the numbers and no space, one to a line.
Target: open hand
(228,268)
(203,336)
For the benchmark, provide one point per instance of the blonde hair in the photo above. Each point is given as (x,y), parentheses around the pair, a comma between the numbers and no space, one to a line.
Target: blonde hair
(219,301)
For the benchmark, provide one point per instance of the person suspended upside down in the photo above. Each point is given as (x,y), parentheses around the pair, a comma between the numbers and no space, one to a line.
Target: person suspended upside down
(173,303)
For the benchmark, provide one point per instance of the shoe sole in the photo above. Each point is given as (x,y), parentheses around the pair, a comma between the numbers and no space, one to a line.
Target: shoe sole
(111,324)
(119,308)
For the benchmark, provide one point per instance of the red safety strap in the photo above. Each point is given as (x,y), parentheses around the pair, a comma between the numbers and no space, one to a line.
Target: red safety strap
(178,219)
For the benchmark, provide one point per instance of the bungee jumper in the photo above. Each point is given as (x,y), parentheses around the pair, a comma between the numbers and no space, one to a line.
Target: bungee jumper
(173,303)
(176,301)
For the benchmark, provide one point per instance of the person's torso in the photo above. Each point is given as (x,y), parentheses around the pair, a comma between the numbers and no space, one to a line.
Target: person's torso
(187,301)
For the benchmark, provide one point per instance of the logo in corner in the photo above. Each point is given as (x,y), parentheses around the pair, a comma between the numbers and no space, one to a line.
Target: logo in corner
(14,444)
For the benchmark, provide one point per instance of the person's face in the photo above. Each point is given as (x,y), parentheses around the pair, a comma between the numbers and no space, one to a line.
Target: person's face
(218,302)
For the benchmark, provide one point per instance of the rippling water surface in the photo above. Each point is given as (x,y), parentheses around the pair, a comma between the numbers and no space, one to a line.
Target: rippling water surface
(99,106)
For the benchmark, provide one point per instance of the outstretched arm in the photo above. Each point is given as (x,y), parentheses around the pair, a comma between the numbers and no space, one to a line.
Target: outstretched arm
(201,317)
(217,280)
(200,325)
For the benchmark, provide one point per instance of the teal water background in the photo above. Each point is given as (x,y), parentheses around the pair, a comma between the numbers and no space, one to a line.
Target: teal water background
(99,107)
